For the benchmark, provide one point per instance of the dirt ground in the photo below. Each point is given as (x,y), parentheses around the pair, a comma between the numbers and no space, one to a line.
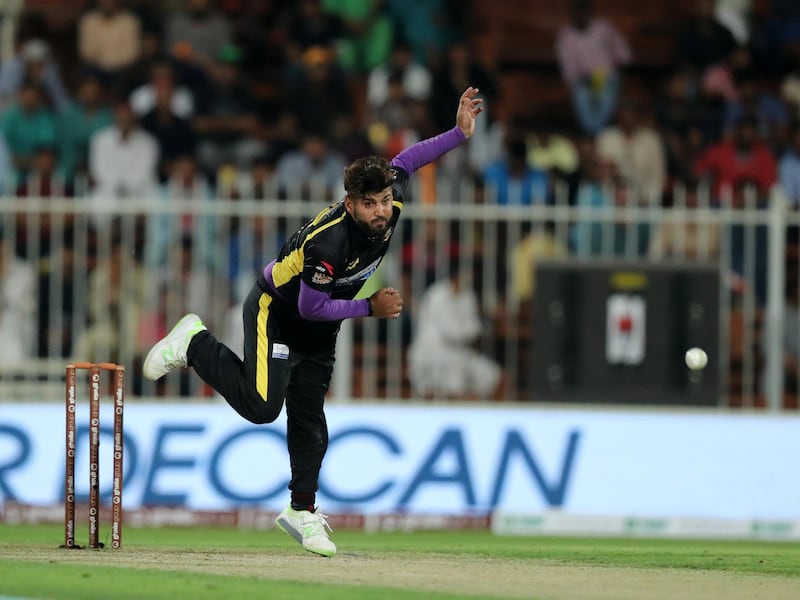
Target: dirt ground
(467,576)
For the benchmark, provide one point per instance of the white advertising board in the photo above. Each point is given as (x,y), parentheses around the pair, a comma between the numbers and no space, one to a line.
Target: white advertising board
(428,459)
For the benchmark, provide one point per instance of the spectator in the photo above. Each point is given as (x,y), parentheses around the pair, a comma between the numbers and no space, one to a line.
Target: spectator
(18,307)
(735,16)
(754,99)
(390,128)
(442,360)
(27,125)
(511,181)
(33,233)
(162,81)
(590,52)
(747,244)
(173,133)
(430,26)
(539,242)
(310,26)
(459,70)
(637,152)
(722,80)
(186,183)
(703,41)
(685,237)
(56,314)
(7,176)
(415,76)
(315,170)
(744,158)
(261,31)
(262,178)
(196,32)
(553,152)
(599,191)
(368,33)
(349,139)
(123,159)
(44,179)
(790,83)
(684,123)
(789,169)
(319,94)
(85,116)
(109,39)
(227,121)
(34,64)
(119,289)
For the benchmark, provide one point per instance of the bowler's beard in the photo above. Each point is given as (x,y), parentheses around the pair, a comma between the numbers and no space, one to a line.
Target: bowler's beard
(373,228)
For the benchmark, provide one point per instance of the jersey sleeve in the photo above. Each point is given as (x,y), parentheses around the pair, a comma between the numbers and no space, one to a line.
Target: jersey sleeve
(314,301)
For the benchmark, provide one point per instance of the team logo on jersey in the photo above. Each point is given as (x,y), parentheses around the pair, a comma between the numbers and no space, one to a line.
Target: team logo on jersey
(328,267)
(352,265)
(321,278)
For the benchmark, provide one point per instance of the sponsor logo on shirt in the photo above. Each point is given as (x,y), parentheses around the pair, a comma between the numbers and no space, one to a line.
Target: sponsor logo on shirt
(361,275)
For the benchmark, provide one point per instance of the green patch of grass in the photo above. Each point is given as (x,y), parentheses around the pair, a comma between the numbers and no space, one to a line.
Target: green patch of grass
(87,582)
(98,574)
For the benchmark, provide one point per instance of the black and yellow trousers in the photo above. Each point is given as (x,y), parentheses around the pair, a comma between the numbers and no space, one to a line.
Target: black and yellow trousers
(286,360)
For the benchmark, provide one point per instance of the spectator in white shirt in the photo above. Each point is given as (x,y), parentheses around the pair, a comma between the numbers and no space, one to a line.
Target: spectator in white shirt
(123,161)
(162,78)
(123,158)
(416,77)
(17,307)
(443,362)
(636,150)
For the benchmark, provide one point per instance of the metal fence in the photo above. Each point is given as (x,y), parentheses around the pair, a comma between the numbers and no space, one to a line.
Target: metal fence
(101,280)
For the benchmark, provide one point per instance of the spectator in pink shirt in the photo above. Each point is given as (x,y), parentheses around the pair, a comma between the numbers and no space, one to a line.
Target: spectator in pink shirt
(590,51)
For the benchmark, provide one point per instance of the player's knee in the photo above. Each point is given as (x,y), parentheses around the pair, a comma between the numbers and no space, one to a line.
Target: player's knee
(265,411)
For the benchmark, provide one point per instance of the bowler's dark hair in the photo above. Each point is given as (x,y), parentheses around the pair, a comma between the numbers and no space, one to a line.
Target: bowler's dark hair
(366,176)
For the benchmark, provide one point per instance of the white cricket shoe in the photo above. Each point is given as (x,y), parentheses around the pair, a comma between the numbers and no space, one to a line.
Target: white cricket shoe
(308,528)
(169,353)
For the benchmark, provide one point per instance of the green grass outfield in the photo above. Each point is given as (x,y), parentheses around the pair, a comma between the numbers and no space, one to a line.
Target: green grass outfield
(196,563)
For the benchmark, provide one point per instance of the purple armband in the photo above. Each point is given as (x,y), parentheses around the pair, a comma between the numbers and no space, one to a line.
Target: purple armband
(314,305)
(420,154)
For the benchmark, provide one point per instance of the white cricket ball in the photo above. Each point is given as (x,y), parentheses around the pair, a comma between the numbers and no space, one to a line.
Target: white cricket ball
(696,358)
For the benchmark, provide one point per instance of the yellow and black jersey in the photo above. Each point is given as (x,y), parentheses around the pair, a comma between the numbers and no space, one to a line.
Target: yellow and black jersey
(331,254)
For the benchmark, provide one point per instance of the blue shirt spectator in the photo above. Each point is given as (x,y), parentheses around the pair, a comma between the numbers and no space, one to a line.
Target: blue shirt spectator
(26,126)
(511,181)
(789,170)
(33,63)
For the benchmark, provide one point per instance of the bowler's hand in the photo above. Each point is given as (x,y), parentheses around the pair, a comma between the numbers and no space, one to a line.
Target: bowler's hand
(469,107)
(386,303)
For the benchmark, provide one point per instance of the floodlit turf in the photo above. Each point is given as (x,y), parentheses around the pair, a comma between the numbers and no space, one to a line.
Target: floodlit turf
(222,563)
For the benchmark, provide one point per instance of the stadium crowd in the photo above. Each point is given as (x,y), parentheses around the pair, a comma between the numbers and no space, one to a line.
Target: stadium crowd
(272,98)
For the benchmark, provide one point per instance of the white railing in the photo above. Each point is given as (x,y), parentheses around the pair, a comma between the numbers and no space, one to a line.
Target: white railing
(96,280)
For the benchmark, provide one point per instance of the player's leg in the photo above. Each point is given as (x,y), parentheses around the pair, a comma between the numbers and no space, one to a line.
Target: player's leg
(306,427)
(307,438)
(256,386)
